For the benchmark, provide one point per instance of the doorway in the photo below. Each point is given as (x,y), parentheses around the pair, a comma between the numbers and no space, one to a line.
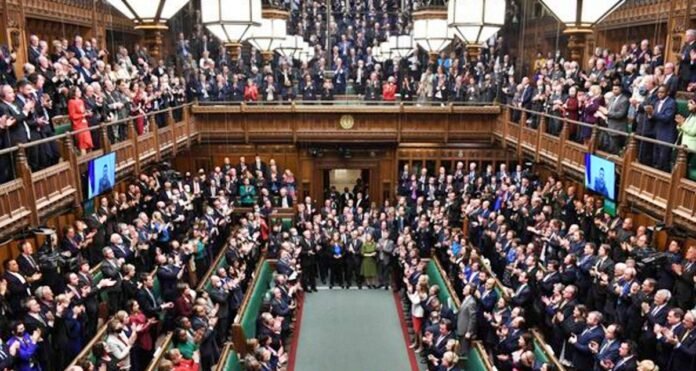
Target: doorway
(340,179)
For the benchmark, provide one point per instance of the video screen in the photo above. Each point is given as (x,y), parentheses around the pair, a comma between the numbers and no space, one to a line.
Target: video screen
(101,175)
(600,176)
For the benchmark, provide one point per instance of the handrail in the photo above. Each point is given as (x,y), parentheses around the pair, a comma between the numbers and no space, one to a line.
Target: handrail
(89,129)
(477,345)
(344,102)
(551,357)
(160,352)
(448,284)
(600,128)
(224,355)
(87,349)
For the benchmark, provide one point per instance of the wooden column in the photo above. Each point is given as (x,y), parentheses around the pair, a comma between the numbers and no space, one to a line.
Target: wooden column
(187,120)
(133,135)
(678,172)
(523,121)
(155,134)
(629,158)
(24,172)
(171,123)
(562,137)
(71,155)
(540,131)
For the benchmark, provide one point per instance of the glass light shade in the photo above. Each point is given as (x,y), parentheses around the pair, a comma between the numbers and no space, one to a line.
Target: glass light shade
(148,11)
(400,46)
(433,35)
(475,21)
(291,47)
(581,13)
(269,35)
(230,26)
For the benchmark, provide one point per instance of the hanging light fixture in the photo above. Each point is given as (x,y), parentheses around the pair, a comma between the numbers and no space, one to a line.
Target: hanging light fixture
(400,46)
(151,16)
(475,21)
(579,17)
(431,31)
(272,32)
(232,28)
(291,47)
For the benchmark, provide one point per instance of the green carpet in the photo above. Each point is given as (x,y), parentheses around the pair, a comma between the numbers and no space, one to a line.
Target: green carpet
(351,330)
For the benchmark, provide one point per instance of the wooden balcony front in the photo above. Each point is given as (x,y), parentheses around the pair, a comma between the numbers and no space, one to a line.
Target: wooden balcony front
(34,196)
(669,198)
(352,122)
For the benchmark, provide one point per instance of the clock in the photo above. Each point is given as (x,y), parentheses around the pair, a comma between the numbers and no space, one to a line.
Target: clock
(347,122)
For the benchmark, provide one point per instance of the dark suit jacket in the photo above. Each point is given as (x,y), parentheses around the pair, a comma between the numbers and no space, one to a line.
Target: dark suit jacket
(25,266)
(629,365)
(663,120)
(583,359)
(17,291)
(611,353)
(149,307)
(683,355)
(18,131)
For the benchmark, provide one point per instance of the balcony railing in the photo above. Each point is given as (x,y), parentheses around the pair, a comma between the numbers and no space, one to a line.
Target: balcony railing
(33,196)
(669,197)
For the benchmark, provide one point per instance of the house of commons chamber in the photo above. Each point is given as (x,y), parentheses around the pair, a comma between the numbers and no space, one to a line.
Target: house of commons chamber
(348,185)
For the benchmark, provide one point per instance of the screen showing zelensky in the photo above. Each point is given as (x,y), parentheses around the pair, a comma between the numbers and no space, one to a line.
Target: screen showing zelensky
(101,174)
(600,176)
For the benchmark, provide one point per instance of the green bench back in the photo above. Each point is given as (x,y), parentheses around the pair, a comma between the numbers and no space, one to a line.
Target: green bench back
(258,293)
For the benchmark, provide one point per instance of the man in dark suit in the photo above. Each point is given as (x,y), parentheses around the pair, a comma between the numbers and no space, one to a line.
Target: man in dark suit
(220,295)
(685,59)
(168,275)
(684,279)
(308,262)
(671,80)
(673,326)
(684,351)
(644,126)
(583,359)
(150,303)
(111,269)
(28,266)
(627,359)
(284,200)
(607,352)
(17,286)
(20,131)
(522,296)
(661,117)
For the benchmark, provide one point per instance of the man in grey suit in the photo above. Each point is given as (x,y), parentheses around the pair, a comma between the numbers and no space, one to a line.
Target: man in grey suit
(615,114)
(386,250)
(466,320)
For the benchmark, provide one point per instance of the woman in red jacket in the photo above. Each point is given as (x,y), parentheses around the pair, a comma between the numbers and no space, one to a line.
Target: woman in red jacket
(389,90)
(251,92)
(78,115)
(144,346)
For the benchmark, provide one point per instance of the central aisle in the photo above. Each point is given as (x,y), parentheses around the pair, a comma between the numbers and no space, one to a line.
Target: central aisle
(351,330)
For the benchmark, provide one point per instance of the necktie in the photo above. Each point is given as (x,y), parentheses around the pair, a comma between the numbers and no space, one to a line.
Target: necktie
(686,334)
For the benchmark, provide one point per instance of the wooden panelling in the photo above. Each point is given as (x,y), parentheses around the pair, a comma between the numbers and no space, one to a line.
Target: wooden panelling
(297,124)
(685,204)
(14,214)
(54,188)
(648,184)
